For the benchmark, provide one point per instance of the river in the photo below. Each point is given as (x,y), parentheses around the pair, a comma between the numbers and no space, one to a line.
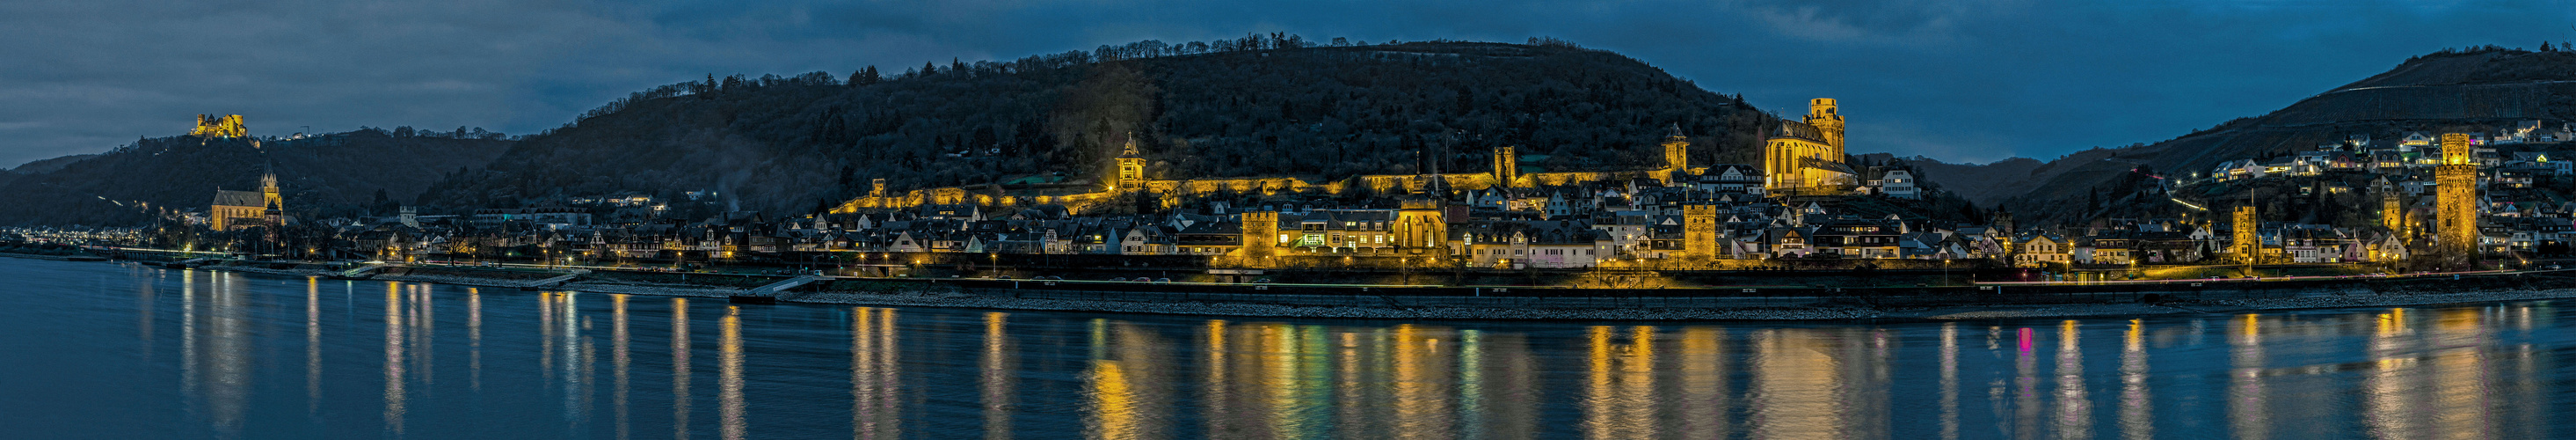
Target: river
(95,350)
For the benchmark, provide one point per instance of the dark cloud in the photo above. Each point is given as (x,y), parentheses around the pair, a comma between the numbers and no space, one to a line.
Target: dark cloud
(1966,80)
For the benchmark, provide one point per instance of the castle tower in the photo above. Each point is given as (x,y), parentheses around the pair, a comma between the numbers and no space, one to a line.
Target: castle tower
(228,126)
(1699,231)
(2457,180)
(1260,235)
(1821,112)
(1131,168)
(1507,170)
(2248,245)
(1676,153)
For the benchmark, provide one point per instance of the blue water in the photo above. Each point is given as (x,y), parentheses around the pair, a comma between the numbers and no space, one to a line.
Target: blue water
(93,350)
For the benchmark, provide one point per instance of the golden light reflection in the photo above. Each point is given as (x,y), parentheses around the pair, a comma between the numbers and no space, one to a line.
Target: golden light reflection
(729,405)
(680,404)
(1794,386)
(2137,419)
(1218,404)
(1124,394)
(876,374)
(2248,406)
(618,356)
(2074,407)
(1421,383)
(216,358)
(312,347)
(474,337)
(2389,389)
(2463,405)
(395,397)
(423,331)
(1001,366)
(1704,386)
(1949,380)
(1349,387)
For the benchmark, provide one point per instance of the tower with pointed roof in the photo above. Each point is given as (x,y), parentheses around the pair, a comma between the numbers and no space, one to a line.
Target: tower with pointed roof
(1131,168)
(1676,154)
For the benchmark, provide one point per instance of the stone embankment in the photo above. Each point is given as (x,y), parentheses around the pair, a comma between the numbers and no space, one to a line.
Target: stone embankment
(653,289)
(944,296)
(1817,313)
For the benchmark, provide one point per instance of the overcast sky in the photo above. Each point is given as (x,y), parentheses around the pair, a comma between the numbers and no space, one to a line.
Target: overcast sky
(1954,80)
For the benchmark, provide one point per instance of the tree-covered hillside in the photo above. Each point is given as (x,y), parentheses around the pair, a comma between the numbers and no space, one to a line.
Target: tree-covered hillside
(2461,91)
(341,175)
(1262,105)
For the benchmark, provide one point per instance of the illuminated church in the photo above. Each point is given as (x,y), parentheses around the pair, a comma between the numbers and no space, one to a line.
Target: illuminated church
(1806,157)
(242,209)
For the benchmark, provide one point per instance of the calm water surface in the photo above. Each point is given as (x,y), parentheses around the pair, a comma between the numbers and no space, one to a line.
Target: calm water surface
(90,350)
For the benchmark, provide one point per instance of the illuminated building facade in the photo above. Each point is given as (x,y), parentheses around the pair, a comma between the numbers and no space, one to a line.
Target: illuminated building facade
(1260,234)
(1699,231)
(2457,183)
(1128,175)
(1676,156)
(1131,168)
(228,126)
(2248,245)
(1806,156)
(1420,226)
(2392,212)
(242,209)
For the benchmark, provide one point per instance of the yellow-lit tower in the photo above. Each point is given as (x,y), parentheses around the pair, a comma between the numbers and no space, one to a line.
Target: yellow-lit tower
(1131,168)
(2392,212)
(1807,153)
(1676,154)
(1260,235)
(1699,231)
(1821,112)
(268,191)
(2249,246)
(1507,171)
(2457,180)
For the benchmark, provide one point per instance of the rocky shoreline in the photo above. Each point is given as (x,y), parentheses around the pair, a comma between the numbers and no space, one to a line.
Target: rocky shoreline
(912,298)
(653,289)
(1823,313)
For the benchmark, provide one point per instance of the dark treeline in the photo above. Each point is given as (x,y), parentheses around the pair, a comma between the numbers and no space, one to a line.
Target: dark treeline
(356,173)
(1266,104)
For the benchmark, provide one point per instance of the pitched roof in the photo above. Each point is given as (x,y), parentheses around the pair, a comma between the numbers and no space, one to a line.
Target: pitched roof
(240,198)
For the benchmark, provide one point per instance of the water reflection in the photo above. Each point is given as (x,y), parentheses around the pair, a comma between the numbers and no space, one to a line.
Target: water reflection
(2137,420)
(729,400)
(215,359)
(2248,406)
(680,368)
(1000,372)
(875,372)
(396,398)
(2459,372)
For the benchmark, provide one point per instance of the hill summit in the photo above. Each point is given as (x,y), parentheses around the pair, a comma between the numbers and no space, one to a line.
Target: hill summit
(2477,90)
(1254,107)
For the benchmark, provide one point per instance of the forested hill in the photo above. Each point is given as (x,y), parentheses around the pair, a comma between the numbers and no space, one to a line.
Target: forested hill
(1267,105)
(2474,90)
(355,173)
